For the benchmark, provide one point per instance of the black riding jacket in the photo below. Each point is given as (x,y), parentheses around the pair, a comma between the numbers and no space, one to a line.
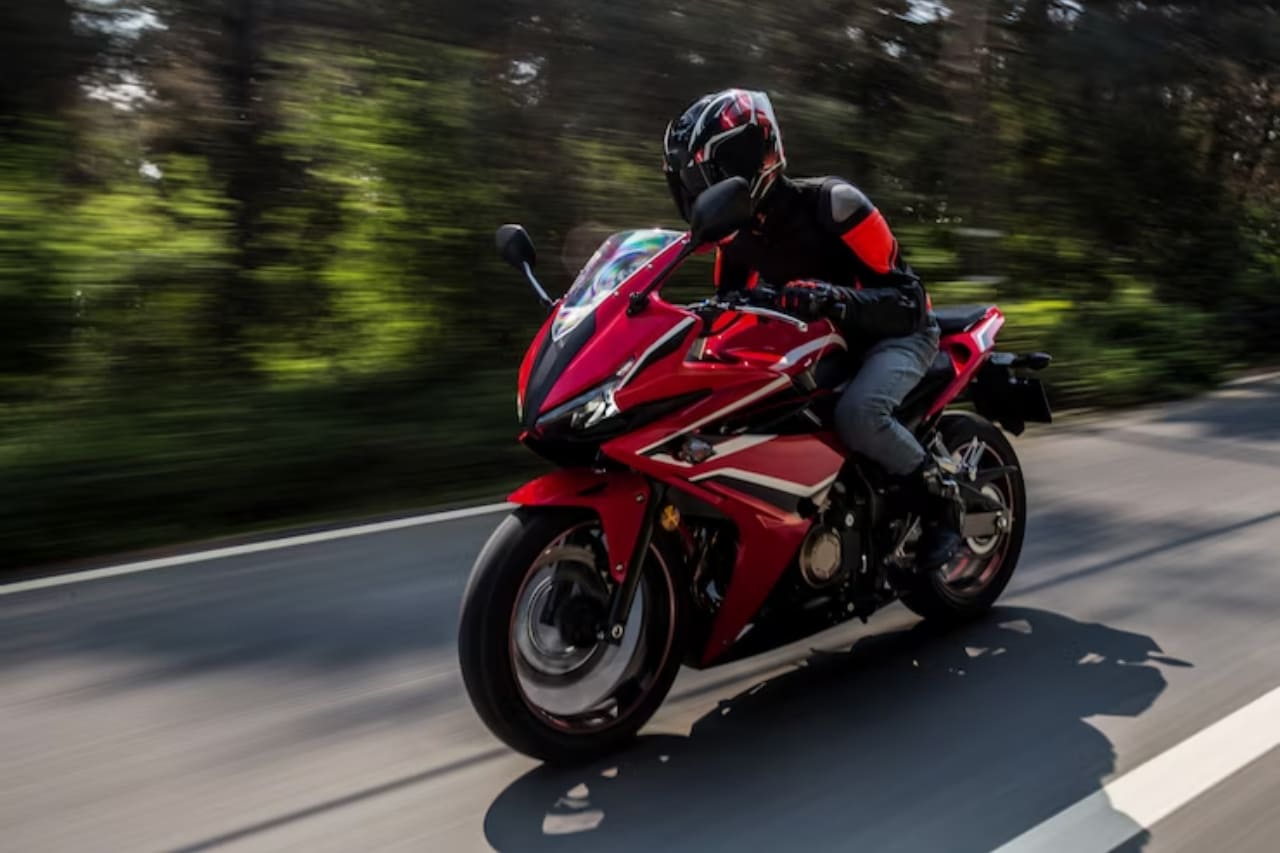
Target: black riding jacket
(825,229)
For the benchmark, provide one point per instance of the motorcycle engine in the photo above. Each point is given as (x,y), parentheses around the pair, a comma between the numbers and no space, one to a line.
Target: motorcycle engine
(822,557)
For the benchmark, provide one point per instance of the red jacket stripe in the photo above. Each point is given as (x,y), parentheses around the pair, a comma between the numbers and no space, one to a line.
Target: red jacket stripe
(717,277)
(873,243)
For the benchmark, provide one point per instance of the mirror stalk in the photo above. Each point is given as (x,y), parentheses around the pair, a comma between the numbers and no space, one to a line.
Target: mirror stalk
(546,300)
(641,299)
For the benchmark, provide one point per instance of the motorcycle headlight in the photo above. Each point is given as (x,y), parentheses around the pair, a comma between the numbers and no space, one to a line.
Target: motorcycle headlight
(584,411)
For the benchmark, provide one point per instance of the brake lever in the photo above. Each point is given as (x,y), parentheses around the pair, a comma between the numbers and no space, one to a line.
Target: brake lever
(743,306)
(774,315)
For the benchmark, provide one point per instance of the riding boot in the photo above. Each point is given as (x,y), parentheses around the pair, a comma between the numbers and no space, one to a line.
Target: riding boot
(937,499)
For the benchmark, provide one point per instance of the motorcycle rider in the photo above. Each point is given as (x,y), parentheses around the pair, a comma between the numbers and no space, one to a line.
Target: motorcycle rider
(833,253)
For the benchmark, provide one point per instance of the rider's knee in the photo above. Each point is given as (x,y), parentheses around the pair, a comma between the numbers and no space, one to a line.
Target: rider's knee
(860,419)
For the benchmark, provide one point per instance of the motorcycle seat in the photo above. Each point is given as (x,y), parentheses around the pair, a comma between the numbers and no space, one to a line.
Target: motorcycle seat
(959,318)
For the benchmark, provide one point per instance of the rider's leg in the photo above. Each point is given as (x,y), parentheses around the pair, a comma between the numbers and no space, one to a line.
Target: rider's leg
(866,425)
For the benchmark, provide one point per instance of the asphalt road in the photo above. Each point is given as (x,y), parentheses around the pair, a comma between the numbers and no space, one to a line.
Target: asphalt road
(308,697)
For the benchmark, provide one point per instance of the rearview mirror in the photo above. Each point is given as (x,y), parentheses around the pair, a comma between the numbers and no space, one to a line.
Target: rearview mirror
(720,210)
(515,246)
(517,250)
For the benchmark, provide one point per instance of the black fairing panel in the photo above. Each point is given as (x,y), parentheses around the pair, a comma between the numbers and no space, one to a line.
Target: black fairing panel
(569,447)
(782,500)
(835,369)
(673,344)
(781,413)
(552,359)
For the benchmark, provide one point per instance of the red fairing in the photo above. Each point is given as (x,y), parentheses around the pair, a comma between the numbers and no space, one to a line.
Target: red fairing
(662,366)
(618,497)
(618,336)
(769,536)
(968,351)
(744,363)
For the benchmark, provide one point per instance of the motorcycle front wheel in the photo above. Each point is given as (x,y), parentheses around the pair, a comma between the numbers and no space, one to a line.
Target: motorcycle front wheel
(533,657)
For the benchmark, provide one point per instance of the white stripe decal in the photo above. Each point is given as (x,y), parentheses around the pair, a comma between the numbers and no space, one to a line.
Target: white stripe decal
(741,443)
(675,330)
(732,407)
(798,489)
(715,104)
(813,346)
(986,333)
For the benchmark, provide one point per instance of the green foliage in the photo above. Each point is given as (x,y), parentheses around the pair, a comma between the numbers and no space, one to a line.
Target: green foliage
(1129,349)
(36,308)
(141,257)
(246,266)
(140,470)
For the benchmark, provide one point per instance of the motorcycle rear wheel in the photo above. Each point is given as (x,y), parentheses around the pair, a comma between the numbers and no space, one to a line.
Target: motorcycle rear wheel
(542,681)
(974,579)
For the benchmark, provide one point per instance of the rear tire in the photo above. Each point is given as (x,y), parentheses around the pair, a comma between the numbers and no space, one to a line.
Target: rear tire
(931,594)
(488,655)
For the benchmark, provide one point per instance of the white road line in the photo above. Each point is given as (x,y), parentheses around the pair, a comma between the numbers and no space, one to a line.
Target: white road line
(252,548)
(1255,379)
(1142,797)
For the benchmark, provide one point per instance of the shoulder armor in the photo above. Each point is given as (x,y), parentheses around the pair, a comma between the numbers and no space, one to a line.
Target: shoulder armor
(842,205)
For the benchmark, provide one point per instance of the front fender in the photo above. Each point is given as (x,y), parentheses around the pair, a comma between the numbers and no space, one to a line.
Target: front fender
(619,498)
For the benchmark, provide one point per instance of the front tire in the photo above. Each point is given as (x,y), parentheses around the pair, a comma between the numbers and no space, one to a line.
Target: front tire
(974,579)
(525,678)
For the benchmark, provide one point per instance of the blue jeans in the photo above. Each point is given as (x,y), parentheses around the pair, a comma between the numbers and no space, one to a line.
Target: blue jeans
(864,414)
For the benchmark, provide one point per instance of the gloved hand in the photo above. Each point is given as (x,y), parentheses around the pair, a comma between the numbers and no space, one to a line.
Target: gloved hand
(870,314)
(811,300)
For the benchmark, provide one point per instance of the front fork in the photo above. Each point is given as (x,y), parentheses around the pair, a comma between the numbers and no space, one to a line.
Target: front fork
(624,594)
(627,504)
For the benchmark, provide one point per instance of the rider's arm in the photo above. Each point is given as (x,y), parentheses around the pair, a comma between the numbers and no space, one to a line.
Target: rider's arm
(892,300)
(846,212)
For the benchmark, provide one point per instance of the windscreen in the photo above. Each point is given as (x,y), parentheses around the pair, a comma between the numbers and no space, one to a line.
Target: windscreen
(614,262)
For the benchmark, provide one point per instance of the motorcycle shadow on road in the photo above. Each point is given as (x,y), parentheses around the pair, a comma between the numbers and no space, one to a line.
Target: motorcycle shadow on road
(913,740)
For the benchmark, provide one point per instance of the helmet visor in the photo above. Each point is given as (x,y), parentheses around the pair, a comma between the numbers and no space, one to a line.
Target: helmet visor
(689,180)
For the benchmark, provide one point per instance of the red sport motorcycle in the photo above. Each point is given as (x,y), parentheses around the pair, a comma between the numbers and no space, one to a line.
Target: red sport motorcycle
(702,509)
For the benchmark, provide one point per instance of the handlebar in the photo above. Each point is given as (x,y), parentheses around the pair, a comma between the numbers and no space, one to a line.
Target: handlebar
(757,301)
(776,315)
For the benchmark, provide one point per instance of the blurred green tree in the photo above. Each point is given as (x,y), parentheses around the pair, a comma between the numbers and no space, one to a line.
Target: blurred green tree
(245,244)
